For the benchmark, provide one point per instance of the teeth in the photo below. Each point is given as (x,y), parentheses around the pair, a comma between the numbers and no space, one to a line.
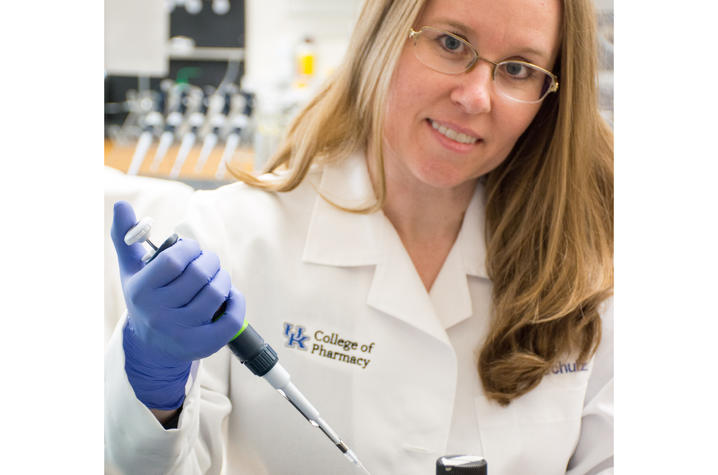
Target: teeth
(453,134)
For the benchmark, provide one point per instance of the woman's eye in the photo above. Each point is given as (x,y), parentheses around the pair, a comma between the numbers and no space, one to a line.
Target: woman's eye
(517,70)
(450,43)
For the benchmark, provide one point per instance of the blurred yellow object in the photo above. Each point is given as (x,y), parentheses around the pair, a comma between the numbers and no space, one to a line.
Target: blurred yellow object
(306,64)
(306,57)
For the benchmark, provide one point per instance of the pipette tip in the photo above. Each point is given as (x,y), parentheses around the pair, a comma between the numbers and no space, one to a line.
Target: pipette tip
(353,459)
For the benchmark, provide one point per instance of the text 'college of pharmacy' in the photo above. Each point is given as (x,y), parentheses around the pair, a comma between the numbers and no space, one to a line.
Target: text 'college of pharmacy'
(349,351)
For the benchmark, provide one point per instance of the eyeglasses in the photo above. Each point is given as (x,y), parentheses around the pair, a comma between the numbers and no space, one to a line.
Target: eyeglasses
(450,54)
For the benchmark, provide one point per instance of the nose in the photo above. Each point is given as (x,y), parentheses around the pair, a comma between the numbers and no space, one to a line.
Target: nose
(473,91)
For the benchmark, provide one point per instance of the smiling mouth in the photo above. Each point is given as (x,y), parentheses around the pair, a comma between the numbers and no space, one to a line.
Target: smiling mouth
(453,134)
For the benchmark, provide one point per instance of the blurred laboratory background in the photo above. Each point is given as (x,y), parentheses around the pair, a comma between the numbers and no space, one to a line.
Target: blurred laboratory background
(194,85)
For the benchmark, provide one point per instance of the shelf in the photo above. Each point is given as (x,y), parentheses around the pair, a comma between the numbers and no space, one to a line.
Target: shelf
(207,53)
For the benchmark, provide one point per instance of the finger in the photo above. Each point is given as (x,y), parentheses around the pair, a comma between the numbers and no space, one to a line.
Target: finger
(216,334)
(207,301)
(184,288)
(170,263)
(128,257)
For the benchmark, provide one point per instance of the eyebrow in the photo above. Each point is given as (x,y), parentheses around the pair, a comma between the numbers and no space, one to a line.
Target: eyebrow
(461,28)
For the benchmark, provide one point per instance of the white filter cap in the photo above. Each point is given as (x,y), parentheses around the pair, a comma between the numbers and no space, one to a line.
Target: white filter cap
(139,232)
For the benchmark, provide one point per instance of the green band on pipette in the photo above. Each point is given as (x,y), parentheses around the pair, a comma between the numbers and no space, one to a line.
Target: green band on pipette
(244,326)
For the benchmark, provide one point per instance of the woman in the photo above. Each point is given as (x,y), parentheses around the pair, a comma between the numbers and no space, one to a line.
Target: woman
(432,273)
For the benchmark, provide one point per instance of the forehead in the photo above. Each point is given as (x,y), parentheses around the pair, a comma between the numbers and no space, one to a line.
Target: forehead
(500,26)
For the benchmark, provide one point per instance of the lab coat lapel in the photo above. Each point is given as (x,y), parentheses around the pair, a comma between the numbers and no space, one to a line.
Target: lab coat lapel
(339,238)
(450,293)
(336,237)
(398,290)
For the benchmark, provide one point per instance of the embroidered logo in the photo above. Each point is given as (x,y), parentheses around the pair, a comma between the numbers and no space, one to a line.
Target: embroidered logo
(296,338)
(337,348)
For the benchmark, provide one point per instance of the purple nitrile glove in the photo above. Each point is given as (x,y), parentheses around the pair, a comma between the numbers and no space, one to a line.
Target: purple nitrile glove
(170,303)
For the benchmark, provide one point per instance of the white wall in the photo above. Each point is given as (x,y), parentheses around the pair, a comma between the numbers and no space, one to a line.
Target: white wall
(136,33)
(603,5)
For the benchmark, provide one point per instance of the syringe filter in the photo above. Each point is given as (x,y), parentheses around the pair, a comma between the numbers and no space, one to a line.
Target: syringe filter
(139,232)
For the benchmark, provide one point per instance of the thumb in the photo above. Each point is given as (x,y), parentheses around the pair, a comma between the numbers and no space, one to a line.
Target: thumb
(129,257)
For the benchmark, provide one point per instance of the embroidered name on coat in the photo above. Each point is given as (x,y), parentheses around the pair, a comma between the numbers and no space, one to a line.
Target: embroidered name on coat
(563,368)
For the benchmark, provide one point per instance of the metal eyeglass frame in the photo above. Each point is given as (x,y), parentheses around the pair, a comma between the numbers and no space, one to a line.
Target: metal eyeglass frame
(554,79)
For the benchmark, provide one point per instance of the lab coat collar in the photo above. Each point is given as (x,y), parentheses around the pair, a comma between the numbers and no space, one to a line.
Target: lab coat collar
(339,238)
(450,292)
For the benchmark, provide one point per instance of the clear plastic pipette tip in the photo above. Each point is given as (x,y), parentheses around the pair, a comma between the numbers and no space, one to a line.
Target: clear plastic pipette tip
(341,445)
(349,454)
(324,427)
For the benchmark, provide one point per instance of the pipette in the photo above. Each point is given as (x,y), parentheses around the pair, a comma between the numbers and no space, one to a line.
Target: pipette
(174,120)
(216,122)
(253,351)
(196,119)
(151,121)
(209,142)
(262,360)
(240,110)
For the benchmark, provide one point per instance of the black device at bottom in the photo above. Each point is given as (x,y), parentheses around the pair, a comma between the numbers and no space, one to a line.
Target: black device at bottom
(461,465)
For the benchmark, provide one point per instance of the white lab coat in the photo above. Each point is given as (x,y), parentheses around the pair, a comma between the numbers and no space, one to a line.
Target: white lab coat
(302,263)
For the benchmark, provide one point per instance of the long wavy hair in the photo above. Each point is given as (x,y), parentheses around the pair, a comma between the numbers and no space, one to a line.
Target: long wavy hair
(549,227)
(549,205)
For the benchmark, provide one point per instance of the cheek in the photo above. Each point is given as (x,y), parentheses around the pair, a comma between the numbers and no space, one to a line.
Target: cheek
(408,88)
(392,128)
(401,108)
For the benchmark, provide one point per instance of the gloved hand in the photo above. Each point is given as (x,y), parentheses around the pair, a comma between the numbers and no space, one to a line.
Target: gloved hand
(170,304)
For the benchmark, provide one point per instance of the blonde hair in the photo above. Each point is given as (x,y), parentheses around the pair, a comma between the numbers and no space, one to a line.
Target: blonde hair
(549,213)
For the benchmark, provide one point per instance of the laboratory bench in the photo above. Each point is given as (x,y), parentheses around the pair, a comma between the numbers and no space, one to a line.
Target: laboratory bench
(119,155)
